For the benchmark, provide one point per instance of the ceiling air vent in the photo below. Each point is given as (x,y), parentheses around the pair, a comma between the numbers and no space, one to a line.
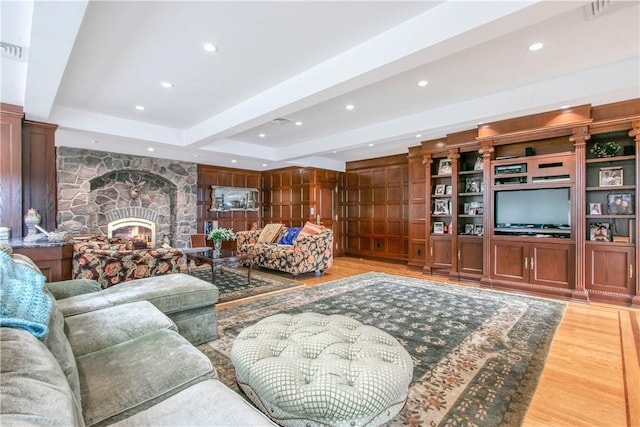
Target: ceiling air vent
(12,51)
(281,121)
(599,7)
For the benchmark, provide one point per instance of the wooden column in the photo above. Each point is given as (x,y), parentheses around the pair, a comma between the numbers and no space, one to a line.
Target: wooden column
(427,160)
(454,155)
(579,137)
(635,133)
(486,151)
(11,117)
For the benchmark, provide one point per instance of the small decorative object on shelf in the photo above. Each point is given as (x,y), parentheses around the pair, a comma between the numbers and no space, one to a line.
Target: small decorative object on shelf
(606,149)
(31,219)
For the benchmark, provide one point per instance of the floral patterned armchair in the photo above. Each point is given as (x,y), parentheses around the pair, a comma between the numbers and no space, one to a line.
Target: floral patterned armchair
(112,263)
(308,253)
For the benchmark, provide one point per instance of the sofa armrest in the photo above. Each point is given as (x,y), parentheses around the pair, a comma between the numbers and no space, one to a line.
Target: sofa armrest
(70,288)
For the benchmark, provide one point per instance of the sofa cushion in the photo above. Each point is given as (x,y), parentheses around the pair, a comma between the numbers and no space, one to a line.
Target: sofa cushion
(270,233)
(290,235)
(58,344)
(97,330)
(310,229)
(169,293)
(124,379)
(34,389)
(71,288)
(208,403)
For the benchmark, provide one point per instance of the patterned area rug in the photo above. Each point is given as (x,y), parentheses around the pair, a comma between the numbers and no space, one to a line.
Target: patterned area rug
(232,283)
(477,354)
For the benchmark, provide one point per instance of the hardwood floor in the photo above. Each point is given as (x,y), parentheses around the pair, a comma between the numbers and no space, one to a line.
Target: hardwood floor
(592,374)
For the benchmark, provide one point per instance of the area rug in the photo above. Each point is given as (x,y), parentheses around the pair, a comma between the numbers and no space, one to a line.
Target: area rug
(478,354)
(232,283)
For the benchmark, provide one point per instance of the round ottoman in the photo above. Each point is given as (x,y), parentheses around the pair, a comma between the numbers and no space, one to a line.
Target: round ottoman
(314,370)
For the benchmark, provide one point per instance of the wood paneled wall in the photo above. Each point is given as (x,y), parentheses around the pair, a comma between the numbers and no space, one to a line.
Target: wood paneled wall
(376,208)
(11,168)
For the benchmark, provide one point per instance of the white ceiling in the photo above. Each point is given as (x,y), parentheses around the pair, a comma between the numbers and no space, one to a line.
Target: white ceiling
(88,64)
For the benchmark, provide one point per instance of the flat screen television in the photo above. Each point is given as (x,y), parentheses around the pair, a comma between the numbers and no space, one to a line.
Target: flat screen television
(546,208)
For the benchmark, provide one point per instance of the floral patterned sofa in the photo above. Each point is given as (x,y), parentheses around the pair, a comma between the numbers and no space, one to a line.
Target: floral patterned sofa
(111,263)
(308,252)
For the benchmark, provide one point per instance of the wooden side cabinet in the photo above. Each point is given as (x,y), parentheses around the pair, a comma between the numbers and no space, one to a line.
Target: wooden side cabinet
(610,275)
(53,260)
(470,257)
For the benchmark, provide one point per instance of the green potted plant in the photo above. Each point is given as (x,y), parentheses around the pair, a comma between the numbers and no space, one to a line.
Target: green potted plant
(605,149)
(219,235)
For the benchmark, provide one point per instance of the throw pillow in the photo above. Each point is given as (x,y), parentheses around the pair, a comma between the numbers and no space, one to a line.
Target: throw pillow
(310,229)
(270,233)
(25,305)
(290,236)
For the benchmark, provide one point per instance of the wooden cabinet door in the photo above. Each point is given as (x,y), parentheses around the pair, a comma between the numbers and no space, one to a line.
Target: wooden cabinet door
(552,264)
(609,268)
(441,252)
(470,255)
(510,261)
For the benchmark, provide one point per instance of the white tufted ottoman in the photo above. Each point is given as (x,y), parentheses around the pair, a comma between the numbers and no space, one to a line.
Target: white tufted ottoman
(314,370)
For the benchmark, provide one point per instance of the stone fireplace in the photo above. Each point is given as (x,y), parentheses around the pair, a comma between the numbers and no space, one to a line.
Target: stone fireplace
(138,197)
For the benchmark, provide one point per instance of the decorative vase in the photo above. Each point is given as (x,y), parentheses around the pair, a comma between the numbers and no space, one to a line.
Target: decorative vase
(31,219)
(217,245)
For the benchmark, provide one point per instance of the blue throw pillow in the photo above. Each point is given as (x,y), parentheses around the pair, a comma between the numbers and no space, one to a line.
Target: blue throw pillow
(290,236)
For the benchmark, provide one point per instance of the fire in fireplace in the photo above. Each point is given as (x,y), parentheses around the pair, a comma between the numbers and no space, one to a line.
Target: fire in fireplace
(136,229)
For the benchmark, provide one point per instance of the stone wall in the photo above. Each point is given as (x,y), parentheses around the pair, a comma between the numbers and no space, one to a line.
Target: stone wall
(93,189)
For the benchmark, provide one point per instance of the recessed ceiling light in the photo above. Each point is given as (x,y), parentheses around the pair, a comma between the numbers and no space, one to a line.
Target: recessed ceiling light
(370,145)
(209,47)
(151,149)
(349,107)
(264,165)
(536,46)
(234,161)
(419,135)
(139,107)
(298,123)
(166,85)
(262,135)
(95,141)
(423,83)
(564,107)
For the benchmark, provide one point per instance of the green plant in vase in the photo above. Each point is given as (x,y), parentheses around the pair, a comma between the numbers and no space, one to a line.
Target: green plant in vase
(219,235)
(605,149)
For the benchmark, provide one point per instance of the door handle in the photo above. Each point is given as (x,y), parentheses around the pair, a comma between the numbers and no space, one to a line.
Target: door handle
(458,254)
(532,267)
(630,271)
(526,263)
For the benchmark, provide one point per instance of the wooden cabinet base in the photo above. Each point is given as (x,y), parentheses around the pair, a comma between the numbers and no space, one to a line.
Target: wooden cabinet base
(53,260)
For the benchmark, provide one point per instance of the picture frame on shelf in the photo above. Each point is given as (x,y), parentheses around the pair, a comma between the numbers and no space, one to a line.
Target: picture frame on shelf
(466,207)
(478,165)
(448,189)
(595,208)
(441,207)
(439,191)
(445,167)
(468,229)
(478,230)
(611,177)
(600,232)
(438,227)
(472,185)
(620,204)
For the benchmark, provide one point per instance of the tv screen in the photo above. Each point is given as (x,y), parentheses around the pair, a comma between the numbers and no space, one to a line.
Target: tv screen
(548,206)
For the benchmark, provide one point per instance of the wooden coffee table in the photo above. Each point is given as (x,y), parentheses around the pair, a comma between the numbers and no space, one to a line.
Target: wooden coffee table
(217,261)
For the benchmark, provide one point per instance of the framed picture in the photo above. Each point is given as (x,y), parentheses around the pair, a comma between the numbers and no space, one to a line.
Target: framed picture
(468,229)
(441,207)
(595,209)
(477,229)
(611,177)
(448,189)
(472,185)
(478,166)
(439,190)
(620,204)
(438,227)
(599,231)
(444,167)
